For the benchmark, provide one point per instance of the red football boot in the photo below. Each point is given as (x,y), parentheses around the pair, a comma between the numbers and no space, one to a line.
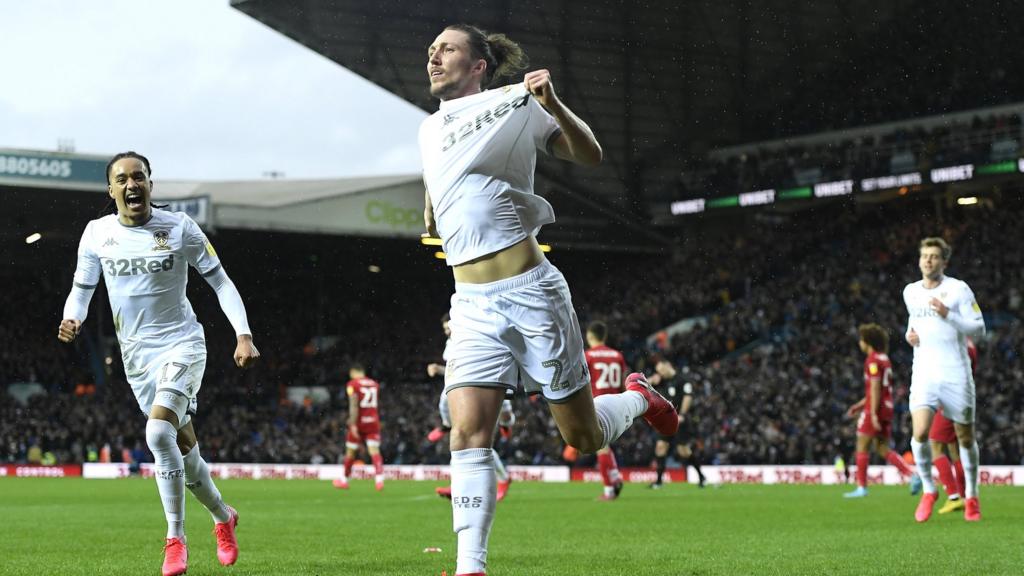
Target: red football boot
(503,489)
(175,557)
(660,414)
(227,545)
(924,507)
(972,509)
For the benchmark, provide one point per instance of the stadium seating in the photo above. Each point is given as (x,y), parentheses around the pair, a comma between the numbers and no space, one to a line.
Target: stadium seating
(776,365)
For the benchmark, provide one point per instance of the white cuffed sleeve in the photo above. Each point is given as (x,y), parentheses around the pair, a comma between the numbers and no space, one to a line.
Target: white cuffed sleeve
(229,298)
(87,277)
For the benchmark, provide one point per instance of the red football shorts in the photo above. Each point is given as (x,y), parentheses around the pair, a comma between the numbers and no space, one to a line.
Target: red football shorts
(942,429)
(864,427)
(367,433)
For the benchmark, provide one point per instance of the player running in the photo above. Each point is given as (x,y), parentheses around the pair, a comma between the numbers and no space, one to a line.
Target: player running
(943,313)
(363,425)
(143,254)
(874,427)
(942,437)
(511,315)
(607,369)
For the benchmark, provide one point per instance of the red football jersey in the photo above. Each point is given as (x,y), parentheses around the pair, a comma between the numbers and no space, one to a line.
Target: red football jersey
(607,370)
(878,366)
(972,351)
(363,393)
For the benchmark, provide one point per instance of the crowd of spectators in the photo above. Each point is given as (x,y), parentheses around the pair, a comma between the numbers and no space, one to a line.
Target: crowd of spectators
(783,400)
(981,140)
(776,363)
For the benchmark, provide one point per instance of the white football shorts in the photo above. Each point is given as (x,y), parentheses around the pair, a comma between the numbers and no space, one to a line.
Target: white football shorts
(957,399)
(442,408)
(171,378)
(520,329)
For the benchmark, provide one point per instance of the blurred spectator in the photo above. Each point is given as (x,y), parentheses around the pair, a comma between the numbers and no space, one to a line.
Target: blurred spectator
(776,362)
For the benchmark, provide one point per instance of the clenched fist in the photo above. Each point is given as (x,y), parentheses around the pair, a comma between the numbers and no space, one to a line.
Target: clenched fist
(68,330)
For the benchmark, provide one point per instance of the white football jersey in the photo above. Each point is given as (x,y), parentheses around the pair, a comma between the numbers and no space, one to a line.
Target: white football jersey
(942,353)
(146,270)
(479,153)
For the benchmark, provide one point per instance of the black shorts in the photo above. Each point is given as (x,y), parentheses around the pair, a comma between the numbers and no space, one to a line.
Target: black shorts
(684,435)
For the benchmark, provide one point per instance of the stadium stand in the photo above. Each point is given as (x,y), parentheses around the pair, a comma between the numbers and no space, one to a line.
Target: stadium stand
(970,138)
(777,359)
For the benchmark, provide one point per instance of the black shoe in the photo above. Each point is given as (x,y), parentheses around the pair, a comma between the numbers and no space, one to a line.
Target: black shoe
(617,487)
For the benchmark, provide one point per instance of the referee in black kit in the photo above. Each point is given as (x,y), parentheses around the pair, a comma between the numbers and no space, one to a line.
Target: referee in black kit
(680,394)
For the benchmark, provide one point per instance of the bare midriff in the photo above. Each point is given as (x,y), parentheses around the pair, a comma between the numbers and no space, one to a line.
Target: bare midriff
(511,261)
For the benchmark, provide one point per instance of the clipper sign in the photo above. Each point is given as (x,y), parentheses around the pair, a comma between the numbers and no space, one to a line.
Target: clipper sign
(396,217)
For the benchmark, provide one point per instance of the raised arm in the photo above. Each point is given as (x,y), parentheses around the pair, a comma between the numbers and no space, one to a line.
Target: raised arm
(576,142)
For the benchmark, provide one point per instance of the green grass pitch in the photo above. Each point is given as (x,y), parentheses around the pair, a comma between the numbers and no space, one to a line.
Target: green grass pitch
(75,526)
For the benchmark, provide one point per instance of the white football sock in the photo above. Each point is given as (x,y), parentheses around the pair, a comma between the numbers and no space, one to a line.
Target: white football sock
(499,467)
(615,413)
(923,459)
(969,459)
(615,475)
(200,483)
(474,494)
(168,467)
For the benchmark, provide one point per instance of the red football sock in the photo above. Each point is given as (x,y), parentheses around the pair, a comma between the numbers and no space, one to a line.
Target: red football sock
(604,466)
(378,464)
(895,460)
(863,459)
(348,465)
(961,480)
(946,474)
(613,467)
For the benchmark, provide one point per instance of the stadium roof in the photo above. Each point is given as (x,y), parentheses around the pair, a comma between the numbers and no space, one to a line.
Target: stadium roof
(369,205)
(281,193)
(656,81)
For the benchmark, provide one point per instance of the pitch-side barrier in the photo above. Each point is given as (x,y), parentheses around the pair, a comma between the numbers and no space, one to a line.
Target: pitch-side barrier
(887,475)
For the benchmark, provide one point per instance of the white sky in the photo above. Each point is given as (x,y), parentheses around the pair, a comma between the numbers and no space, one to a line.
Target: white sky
(203,90)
